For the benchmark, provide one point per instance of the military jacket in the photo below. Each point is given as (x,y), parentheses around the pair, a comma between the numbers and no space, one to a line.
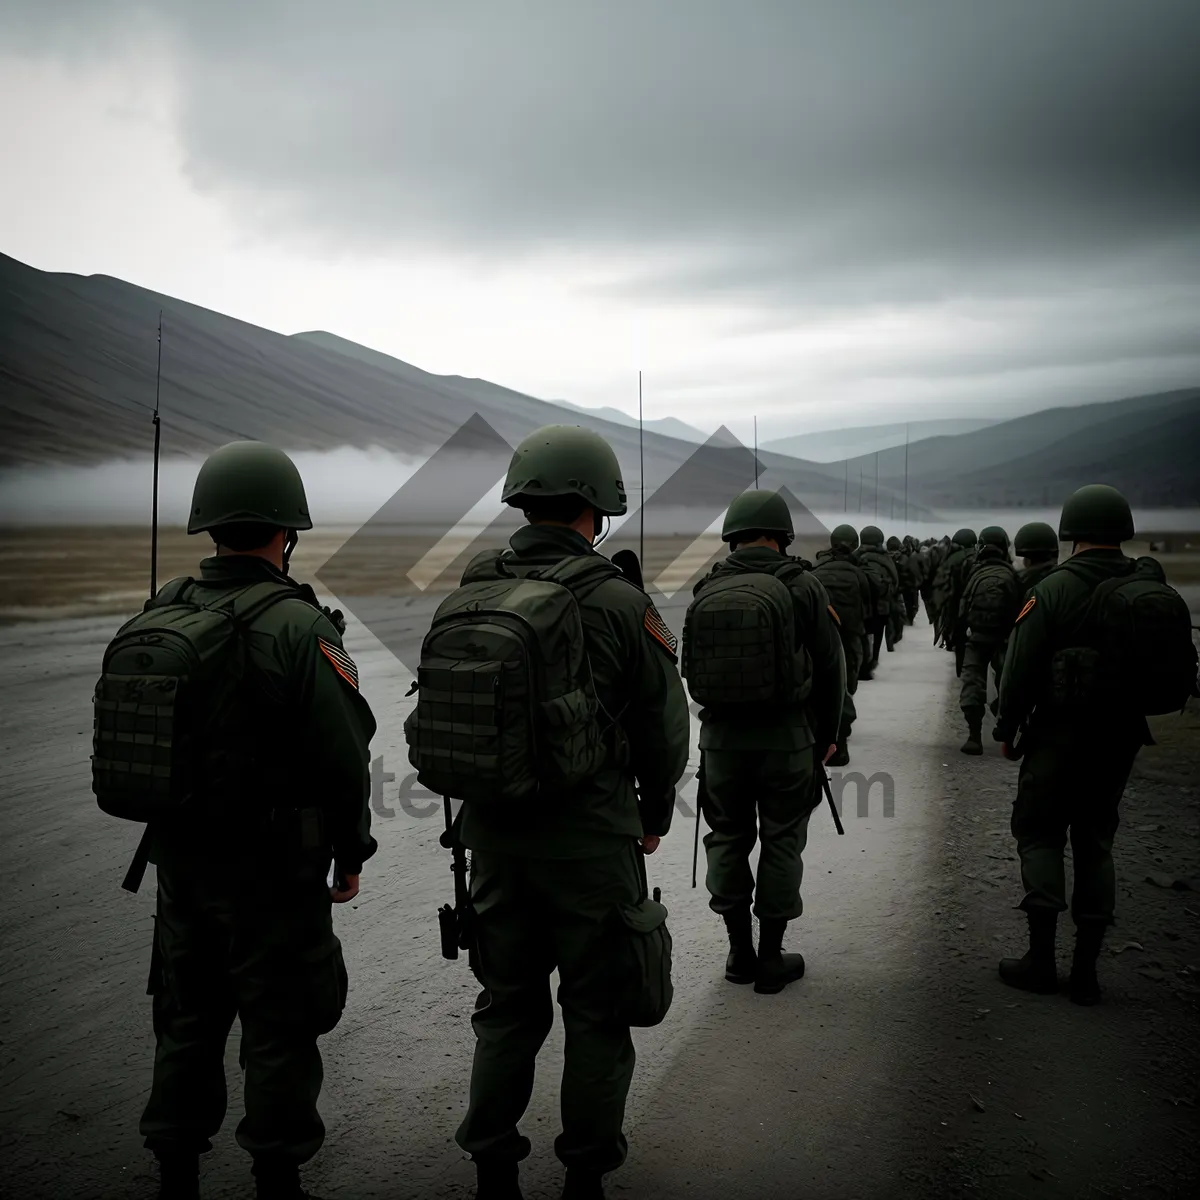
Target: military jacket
(843,577)
(633,657)
(817,719)
(1035,574)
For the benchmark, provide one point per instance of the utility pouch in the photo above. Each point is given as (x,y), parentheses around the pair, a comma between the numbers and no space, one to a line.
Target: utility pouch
(1075,677)
(643,977)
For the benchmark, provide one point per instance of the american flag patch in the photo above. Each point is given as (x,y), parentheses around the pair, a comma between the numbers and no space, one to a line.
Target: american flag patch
(343,664)
(1028,605)
(656,627)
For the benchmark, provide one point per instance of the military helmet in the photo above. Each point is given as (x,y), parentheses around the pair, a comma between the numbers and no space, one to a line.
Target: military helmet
(757,510)
(965,538)
(844,535)
(248,483)
(566,460)
(871,535)
(993,535)
(893,543)
(1096,513)
(1036,538)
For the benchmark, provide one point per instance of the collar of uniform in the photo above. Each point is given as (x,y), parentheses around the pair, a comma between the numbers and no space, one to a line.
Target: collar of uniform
(1114,555)
(240,568)
(548,541)
(754,556)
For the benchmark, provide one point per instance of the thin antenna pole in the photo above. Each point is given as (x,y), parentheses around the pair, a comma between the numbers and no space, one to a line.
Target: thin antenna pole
(641,481)
(860,484)
(877,485)
(846,495)
(157,440)
(756,453)
(906,477)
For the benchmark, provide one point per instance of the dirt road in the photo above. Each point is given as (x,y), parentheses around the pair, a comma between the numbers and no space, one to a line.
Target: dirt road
(899,1066)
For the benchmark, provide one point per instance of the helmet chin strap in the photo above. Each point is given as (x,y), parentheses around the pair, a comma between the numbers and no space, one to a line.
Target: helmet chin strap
(288,546)
(601,527)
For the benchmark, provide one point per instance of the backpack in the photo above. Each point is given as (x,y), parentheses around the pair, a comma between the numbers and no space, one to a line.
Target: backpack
(874,562)
(991,599)
(166,738)
(1137,652)
(842,583)
(507,711)
(739,642)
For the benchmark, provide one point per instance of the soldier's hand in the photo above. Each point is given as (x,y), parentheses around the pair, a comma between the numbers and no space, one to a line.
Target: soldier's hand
(650,843)
(351,890)
(829,753)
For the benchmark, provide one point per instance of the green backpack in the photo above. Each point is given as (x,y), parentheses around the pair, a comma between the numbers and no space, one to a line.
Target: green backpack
(842,581)
(991,599)
(1137,651)
(739,642)
(507,711)
(166,734)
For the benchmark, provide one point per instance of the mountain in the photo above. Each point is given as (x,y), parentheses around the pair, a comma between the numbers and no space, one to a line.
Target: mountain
(834,445)
(671,426)
(1148,446)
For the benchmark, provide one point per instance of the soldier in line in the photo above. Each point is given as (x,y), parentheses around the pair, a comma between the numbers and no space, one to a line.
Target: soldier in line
(852,594)
(552,877)
(1100,643)
(910,565)
(277,785)
(990,602)
(762,654)
(878,564)
(948,585)
(1037,544)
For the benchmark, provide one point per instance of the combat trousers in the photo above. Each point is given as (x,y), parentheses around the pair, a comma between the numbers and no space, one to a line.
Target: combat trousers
(852,647)
(876,627)
(531,916)
(978,656)
(778,787)
(233,943)
(1072,779)
(912,604)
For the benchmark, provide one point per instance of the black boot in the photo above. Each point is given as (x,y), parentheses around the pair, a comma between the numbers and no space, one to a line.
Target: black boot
(179,1176)
(583,1185)
(1084,986)
(775,968)
(278,1179)
(497,1180)
(1035,971)
(741,965)
(974,742)
(841,756)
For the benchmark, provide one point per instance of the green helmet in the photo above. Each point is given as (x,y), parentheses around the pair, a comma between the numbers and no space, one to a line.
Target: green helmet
(566,460)
(872,535)
(757,510)
(965,538)
(1036,538)
(844,535)
(893,543)
(1096,513)
(248,482)
(993,535)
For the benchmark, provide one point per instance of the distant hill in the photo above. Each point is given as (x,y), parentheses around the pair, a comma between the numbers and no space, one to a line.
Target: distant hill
(834,445)
(671,426)
(1148,446)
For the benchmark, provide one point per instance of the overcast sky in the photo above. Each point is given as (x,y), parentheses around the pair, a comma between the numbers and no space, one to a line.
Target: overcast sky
(824,214)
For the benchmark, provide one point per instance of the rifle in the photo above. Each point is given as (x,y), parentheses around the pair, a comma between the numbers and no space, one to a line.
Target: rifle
(824,778)
(696,839)
(455,922)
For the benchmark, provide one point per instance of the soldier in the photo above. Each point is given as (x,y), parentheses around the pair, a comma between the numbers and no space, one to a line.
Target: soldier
(991,599)
(878,564)
(852,594)
(911,574)
(272,761)
(1037,544)
(948,585)
(763,655)
(1099,644)
(551,877)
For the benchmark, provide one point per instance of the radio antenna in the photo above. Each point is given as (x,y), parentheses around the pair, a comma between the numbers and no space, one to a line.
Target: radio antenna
(756,453)
(641,480)
(157,443)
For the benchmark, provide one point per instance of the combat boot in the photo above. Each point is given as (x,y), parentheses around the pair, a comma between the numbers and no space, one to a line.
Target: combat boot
(497,1180)
(583,1185)
(179,1176)
(841,756)
(974,742)
(775,968)
(1036,970)
(741,964)
(278,1179)
(1084,986)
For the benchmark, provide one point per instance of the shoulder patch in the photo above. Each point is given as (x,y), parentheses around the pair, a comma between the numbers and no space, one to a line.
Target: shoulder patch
(1027,608)
(833,613)
(656,627)
(343,664)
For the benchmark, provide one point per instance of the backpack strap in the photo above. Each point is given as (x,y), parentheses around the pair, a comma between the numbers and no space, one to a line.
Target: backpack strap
(580,574)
